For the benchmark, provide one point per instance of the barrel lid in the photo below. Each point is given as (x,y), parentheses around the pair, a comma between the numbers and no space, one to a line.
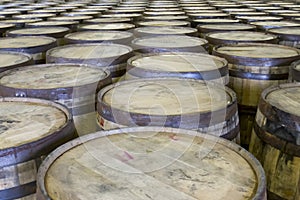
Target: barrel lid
(106,26)
(164,23)
(215,21)
(166,96)
(166,17)
(239,36)
(127,15)
(48,31)
(158,163)
(259,18)
(177,62)
(225,27)
(6,25)
(136,10)
(47,11)
(50,76)
(257,54)
(289,33)
(20,21)
(165,30)
(70,18)
(163,13)
(80,13)
(25,120)
(108,20)
(52,23)
(274,24)
(32,16)
(248,13)
(208,15)
(9,12)
(25,42)
(90,51)
(238,10)
(9,58)
(169,41)
(285,98)
(90,36)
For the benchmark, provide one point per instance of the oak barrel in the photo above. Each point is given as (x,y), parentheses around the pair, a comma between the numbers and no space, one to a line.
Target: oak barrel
(156,31)
(72,25)
(5,27)
(171,102)
(265,25)
(275,140)
(106,27)
(163,23)
(103,55)
(73,85)
(56,32)
(30,129)
(294,75)
(36,46)
(151,163)
(107,20)
(252,68)
(289,36)
(180,64)
(10,60)
(169,43)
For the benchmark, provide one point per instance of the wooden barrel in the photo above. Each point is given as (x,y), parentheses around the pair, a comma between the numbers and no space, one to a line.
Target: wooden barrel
(208,28)
(80,19)
(36,46)
(9,14)
(157,31)
(133,16)
(250,19)
(55,32)
(107,20)
(197,22)
(169,43)
(20,23)
(236,14)
(231,37)
(30,129)
(289,36)
(73,85)
(294,75)
(118,37)
(81,13)
(168,102)
(5,27)
(106,56)
(275,140)
(106,27)
(165,18)
(10,60)
(163,23)
(43,16)
(169,164)
(54,11)
(185,65)
(252,68)
(264,26)
(72,25)
(193,16)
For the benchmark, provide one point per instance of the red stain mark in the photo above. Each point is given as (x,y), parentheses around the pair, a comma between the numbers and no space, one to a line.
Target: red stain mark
(101,121)
(128,155)
(173,137)
(125,157)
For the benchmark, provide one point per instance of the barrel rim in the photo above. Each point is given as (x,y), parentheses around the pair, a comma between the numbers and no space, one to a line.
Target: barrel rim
(94,21)
(62,133)
(28,60)
(248,157)
(87,27)
(252,61)
(285,36)
(295,73)
(203,27)
(146,30)
(179,22)
(58,34)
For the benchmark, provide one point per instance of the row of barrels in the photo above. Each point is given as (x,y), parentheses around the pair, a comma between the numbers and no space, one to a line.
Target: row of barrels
(155,93)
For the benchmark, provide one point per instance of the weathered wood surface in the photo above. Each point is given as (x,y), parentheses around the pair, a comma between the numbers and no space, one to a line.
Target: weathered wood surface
(275,140)
(225,27)
(294,75)
(30,129)
(10,60)
(168,102)
(163,23)
(187,65)
(72,25)
(56,32)
(107,20)
(265,25)
(150,163)
(154,31)
(106,26)
(289,36)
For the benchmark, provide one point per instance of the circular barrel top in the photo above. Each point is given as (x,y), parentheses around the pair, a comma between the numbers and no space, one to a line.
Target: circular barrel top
(215,21)
(169,96)
(287,33)
(273,24)
(126,15)
(49,76)
(106,26)
(107,20)
(166,17)
(70,18)
(170,41)
(239,36)
(6,25)
(96,51)
(151,163)
(164,31)
(177,62)
(25,42)
(259,18)
(20,22)
(164,23)
(224,27)
(27,120)
(32,16)
(56,32)
(286,99)
(99,36)
(11,59)
(52,23)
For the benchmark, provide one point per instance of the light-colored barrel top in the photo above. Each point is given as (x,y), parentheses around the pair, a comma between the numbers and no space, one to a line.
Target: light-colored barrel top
(178,62)
(165,30)
(240,36)
(286,31)
(252,50)
(99,35)
(20,21)
(39,31)
(166,17)
(105,26)
(259,18)
(274,24)
(6,25)
(89,51)
(286,99)
(32,16)
(25,121)
(12,58)
(170,41)
(217,20)
(52,23)
(164,23)
(108,20)
(50,76)
(70,18)
(225,27)
(151,164)
(25,42)
(169,96)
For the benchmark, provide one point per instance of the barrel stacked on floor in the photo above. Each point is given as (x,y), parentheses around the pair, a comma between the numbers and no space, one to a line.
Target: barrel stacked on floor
(156,54)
